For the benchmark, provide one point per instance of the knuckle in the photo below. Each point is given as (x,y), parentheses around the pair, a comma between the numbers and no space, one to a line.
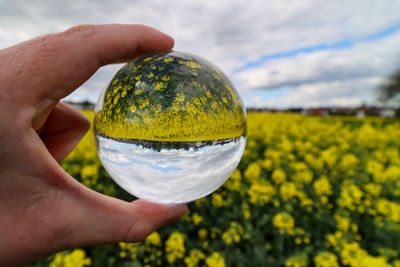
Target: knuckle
(83,31)
(137,232)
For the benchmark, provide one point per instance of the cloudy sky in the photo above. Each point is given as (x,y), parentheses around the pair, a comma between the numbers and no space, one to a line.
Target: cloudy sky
(293,53)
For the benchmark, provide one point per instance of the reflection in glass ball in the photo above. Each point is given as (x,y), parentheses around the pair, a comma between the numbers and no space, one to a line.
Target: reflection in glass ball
(170,127)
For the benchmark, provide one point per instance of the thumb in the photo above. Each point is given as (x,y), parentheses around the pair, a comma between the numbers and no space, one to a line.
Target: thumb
(66,214)
(101,219)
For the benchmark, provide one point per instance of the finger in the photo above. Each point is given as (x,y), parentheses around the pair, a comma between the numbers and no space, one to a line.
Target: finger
(64,128)
(54,65)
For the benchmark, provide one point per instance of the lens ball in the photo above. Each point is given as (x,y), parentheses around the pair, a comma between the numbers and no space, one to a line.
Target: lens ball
(170,127)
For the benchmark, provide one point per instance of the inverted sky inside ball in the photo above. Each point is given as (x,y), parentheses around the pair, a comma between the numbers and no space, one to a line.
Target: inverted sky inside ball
(181,110)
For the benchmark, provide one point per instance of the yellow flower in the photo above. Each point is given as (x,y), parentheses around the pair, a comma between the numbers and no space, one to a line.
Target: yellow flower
(343,223)
(304,200)
(253,171)
(260,192)
(322,186)
(352,254)
(350,196)
(324,200)
(285,144)
(235,181)
(159,85)
(392,173)
(202,233)
(246,214)
(128,249)
(194,257)
(313,161)
(329,156)
(175,246)
(236,175)
(215,260)
(233,233)
(326,259)
(217,200)
(296,261)
(390,209)
(284,222)
(75,258)
(90,174)
(374,189)
(154,239)
(304,177)
(122,254)
(376,169)
(274,156)
(267,164)
(197,219)
(200,201)
(278,176)
(371,261)
(288,190)
(335,240)
(348,162)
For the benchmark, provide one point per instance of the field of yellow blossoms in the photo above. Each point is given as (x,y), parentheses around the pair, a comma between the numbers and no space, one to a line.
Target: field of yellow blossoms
(309,191)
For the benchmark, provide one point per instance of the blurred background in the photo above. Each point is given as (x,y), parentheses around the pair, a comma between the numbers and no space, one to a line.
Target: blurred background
(309,190)
(279,54)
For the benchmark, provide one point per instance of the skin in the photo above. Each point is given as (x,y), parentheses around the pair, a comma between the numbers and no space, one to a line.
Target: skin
(43,209)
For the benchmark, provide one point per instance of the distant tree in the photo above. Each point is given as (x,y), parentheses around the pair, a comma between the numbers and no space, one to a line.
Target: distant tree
(389,91)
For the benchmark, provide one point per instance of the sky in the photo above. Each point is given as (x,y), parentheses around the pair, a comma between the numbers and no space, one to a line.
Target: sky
(279,54)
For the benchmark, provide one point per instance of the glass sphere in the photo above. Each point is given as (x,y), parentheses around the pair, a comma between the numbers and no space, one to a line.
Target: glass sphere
(170,127)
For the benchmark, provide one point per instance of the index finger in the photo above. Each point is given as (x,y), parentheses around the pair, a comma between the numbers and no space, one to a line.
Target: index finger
(54,65)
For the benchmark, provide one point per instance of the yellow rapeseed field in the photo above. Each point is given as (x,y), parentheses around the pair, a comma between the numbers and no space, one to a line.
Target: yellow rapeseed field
(309,191)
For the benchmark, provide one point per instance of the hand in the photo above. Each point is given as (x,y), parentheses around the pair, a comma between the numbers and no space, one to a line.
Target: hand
(43,209)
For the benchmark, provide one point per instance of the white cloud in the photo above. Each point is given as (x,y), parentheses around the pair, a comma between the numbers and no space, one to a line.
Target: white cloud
(329,77)
(333,93)
(362,60)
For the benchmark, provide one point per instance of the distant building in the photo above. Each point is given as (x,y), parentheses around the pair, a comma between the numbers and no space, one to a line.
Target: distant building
(360,112)
(388,113)
(86,105)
